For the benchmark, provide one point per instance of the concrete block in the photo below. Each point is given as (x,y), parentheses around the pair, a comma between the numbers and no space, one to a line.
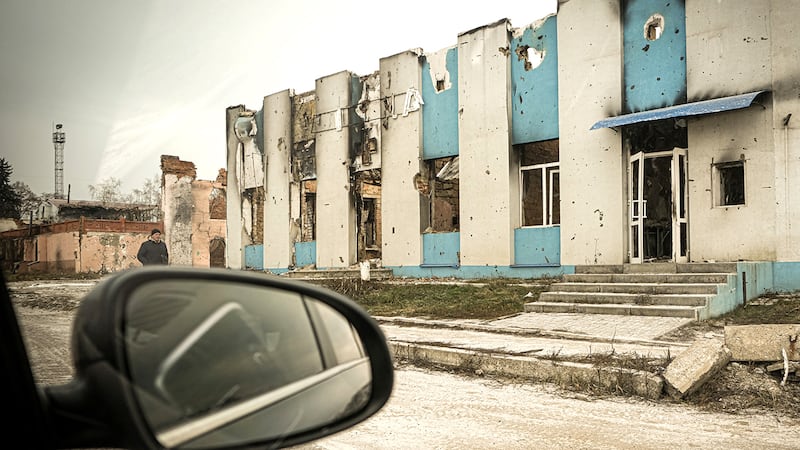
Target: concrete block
(694,366)
(641,383)
(763,342)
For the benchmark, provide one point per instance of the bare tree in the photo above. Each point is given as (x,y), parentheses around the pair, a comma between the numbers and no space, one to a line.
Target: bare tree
(148,194)
(107,190)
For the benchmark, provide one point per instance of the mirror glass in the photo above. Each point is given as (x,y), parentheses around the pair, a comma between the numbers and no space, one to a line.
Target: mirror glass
(218,363)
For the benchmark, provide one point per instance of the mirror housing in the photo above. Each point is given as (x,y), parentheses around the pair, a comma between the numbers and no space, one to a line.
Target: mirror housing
(103,406)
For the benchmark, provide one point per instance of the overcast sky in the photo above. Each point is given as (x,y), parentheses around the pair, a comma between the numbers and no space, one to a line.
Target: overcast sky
(134,80)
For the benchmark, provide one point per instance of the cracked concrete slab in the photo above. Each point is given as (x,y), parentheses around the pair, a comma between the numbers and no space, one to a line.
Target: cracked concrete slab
(694,366)
(763,342)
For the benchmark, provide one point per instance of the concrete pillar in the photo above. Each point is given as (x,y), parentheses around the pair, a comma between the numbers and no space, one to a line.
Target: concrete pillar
(401,147)
(485,147)
(233,248)
(277,149)
(178,208)
(336,224)
(593,196)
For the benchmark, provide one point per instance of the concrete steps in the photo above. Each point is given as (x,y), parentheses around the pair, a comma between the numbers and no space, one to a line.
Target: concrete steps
(661,289)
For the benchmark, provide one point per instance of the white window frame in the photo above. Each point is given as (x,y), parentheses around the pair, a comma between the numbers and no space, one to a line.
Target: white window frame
(548,171)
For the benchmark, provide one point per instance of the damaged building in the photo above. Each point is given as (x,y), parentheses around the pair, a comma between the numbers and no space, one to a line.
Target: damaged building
(612,132)
(194,214)
(80,236)
(84,245)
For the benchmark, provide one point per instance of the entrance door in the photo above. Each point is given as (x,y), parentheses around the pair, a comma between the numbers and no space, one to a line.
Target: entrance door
(680,202)
(658,220)
(637,208)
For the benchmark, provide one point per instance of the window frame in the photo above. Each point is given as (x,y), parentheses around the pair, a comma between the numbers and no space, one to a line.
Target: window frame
(718,182)
(548,171)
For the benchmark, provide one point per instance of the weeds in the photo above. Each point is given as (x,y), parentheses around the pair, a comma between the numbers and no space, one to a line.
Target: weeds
(488,300)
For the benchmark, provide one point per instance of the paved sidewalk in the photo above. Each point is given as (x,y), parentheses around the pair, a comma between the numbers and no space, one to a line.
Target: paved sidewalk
(528,345)
(538,334)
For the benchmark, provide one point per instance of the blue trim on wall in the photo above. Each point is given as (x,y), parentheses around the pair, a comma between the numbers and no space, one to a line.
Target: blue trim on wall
(440,111)
(534,92)
(441,249)
(305,253)
(786,276)
(254,257)
(654,71)
(477,272)
(538,246)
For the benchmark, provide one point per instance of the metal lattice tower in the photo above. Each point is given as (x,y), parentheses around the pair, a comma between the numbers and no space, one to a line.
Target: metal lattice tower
(59,139)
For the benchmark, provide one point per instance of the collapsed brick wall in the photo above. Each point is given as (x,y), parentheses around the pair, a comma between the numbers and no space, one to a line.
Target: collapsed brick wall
(174,165)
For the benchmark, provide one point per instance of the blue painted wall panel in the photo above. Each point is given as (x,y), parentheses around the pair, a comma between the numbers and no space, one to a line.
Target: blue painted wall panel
(534,91)
(254,257)
(540,246)
(441,248)
(305,253)
(474,272)
(654,70)
(786,276)
(440,111)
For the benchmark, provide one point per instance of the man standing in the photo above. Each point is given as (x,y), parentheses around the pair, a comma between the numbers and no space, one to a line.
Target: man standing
(153,250)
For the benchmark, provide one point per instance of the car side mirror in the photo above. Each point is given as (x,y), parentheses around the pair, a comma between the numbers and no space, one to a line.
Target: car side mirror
(173,357)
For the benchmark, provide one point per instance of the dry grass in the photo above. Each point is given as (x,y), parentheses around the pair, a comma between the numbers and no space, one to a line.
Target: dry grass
(463,300)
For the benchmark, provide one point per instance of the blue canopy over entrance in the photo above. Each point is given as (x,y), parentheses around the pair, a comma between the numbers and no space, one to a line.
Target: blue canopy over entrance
(689,109)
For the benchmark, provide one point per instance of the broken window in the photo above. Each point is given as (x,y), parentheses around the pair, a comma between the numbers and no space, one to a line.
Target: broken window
(368,219)
(370,148)
(253,214)
(304,165)
(308,211)
(730,183)
(441,190)
(365,145)
(368,211)
(540,187)
(217,208)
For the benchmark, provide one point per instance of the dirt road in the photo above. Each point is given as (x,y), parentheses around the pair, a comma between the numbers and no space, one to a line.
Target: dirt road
(439,410)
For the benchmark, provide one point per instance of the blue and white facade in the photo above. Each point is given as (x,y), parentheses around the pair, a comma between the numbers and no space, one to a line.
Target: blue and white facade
(615,131)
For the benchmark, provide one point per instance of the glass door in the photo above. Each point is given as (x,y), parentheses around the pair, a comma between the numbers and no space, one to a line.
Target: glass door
(680,207)
(637,208)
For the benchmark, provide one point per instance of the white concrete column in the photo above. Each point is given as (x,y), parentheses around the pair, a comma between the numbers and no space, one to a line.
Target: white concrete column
(234,251)
(336,224)
(401,146)
(277,128)
(485,147)
(593,196)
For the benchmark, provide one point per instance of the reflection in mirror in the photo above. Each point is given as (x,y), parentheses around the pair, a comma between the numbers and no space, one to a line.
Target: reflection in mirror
(225,363)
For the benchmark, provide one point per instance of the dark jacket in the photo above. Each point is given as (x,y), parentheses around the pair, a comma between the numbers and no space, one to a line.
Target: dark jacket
(152,252)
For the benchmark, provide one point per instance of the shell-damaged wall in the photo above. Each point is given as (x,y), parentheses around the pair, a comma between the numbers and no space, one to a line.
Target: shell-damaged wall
(77,246)
(245,182)
(177,206)
(194,213)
